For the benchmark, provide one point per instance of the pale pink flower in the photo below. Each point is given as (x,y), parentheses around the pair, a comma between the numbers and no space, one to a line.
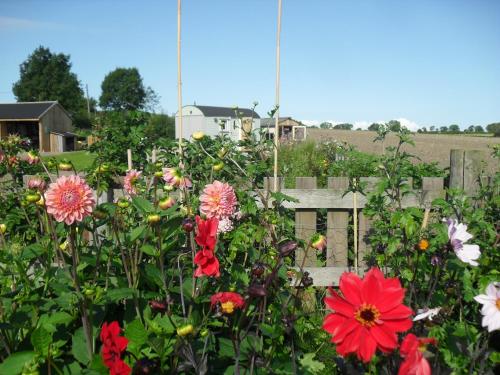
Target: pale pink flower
(69,199)
(458,235)
(225,225)
(318,242)
(37,183)
(129,183)
(491,306)
(174,177)
(218,200)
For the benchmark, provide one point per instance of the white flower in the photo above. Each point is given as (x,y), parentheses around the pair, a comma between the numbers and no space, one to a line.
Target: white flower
(426,313)
(225,225)
(458,235)
(491,306)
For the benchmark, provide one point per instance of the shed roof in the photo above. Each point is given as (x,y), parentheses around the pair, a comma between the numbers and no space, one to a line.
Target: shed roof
(271,122)
(24,111)
(211,111)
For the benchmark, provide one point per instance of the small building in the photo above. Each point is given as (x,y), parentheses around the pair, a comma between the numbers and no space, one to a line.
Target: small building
(46,124)
(289,128)
(237,123)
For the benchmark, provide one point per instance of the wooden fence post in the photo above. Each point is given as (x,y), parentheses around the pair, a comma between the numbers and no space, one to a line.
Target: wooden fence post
(336,227)
(465,170)
(364,223)
(305,224)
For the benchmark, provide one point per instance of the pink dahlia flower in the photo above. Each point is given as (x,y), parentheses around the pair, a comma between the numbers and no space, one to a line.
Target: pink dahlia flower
(69,199)
(32,158)
(129,183)
(36,183)
(218,200)
(174,177)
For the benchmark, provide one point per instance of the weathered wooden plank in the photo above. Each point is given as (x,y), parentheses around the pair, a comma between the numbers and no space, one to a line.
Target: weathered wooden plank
(457,169)
(326,276)
(432,188)
(305,224)
(269,183)
(472,170)
(336,227)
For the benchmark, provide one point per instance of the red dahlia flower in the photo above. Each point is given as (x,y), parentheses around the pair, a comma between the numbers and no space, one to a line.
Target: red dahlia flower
(206,237)
(113,345)
(229,301)
(412,350)
(120,368)
(367,315)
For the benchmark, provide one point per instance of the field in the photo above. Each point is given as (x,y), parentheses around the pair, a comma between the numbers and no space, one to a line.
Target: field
(428,147)
(80,159)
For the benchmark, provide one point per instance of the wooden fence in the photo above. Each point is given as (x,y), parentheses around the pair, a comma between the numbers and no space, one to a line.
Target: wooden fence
(465,169)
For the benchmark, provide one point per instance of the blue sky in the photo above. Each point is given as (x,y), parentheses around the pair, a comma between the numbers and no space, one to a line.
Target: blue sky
(427,62)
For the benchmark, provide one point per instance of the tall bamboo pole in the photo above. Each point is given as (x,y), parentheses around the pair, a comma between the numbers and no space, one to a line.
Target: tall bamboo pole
(179,80)
(277,113)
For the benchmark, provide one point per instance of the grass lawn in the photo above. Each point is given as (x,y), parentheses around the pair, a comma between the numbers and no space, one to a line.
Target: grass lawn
(80,159)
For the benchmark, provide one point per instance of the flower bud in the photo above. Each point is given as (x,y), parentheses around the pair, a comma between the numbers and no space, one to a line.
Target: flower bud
(318,242)
(222,152)
(185,330)
(166,203)
(188,224)
(123,203)
(32,198)
(3,228)
(286,248)
(40,202)
(218,166)
(257,290)
(198,136)
(65,166)
(153,219)
(307,280)
(145,366)
(158,306)
(258,269)
(159,174)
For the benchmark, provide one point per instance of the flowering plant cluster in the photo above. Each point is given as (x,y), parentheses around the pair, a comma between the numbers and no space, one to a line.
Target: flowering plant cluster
(190,269)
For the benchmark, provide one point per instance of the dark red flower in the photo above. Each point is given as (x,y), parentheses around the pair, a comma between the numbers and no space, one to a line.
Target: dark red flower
(119,368)
(229,301)
(412,350)
(113,344)
(206,237)
(367,315)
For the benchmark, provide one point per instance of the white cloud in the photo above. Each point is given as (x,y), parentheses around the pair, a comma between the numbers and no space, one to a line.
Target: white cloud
(12,23)
(413,126)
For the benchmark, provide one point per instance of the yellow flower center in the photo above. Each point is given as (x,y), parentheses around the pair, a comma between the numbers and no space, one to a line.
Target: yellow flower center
(227,307)
(498,303)
(367,315)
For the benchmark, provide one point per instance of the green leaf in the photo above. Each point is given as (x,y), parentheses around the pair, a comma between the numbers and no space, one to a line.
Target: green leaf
(136,333)
(32,251)
(79,347)
(115,295)
(310,365)
(137,232)
(41,340)
(143,204)
(226,348)
(14,364)
(150,250)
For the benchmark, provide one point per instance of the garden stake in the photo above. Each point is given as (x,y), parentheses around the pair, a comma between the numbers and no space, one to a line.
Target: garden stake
(129,159)
(355,223)
(277,113)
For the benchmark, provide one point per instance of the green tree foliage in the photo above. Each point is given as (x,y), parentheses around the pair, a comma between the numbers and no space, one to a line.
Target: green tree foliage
(394,126)
(160,126)
(326,125)
(45,75)
(454,128)
(494,128)
(443,129)
(478,129)
(123,89)
(374,127)
(343,126)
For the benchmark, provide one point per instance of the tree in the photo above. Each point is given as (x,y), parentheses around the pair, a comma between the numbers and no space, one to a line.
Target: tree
(494,128)
(326,125)
(122,89)
(454,128)
(343,126)
(443,129)
(374,127)
(478,129)
(47,76)
(432,128)
(394,126)
(160,126)
(470,129)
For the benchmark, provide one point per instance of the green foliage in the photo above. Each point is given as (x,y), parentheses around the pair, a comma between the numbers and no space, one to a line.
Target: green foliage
(122,89)
(494,128)
(47,76)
